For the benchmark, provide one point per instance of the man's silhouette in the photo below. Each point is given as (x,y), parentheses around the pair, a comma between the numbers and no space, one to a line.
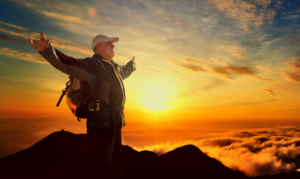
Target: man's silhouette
(103,125)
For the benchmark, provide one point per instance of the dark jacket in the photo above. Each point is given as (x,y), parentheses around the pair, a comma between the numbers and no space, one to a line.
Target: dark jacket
(111,76)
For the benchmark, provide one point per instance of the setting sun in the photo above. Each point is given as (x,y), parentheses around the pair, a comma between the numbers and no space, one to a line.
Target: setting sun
(156,95)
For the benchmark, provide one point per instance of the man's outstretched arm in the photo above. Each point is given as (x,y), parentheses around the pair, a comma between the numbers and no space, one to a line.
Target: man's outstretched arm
(126,70)
(62,62)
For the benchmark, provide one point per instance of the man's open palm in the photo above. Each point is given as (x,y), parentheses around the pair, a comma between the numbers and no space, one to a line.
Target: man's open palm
(38,45)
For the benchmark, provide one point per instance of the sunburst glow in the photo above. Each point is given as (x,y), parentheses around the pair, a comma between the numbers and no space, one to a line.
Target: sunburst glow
(157,95)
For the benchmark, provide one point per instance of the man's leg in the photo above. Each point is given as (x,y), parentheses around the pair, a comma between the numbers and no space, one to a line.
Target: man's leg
(100,150)
(117,169)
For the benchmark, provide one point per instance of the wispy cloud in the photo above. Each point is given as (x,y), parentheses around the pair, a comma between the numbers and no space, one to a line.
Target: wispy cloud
(192,67)
(12,39)
(36,5)
(15,33)
(245,70)
(55,41)
(14,26)
(62,13)
(292,72)
(249,13)
(22,55)
(63,17)
(235,51)
(269,91)
(213,84)
(26,3)
(230,71)
(248,103)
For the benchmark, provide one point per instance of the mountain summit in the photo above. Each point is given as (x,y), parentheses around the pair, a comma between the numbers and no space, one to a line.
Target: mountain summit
(62,155)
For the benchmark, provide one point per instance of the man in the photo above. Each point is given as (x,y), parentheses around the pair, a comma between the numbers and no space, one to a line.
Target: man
(104,79)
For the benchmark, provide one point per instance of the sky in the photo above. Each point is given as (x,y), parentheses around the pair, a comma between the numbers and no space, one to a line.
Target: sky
(220,74)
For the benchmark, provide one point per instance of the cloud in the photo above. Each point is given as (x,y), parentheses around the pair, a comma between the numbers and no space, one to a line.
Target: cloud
(176,72)
(192,67)
(213,84)
(190,60)
(22,55)
(12,39)
(250,13)
(255,153)
(243,134)
(63,17)
(220,142)
(163,148)
(235,51)
(14,26)
(292,72)
(270,91)
(245,70)
(271,150)
(25,3)
(48,6)
(231,70)
(24,34)
(62,13)
(55,41)
(249,103)
(74,48)
(58,8)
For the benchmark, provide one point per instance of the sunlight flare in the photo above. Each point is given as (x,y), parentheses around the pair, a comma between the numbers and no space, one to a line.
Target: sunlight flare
(157,95)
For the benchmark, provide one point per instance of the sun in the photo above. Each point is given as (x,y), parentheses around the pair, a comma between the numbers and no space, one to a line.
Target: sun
(156,95)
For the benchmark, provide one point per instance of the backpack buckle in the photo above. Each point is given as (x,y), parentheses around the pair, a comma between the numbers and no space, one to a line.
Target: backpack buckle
(92,106)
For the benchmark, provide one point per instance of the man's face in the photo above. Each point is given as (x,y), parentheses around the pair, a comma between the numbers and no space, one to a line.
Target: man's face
(106,50)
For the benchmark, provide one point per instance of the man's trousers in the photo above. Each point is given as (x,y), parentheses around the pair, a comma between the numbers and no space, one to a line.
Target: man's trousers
(104,151)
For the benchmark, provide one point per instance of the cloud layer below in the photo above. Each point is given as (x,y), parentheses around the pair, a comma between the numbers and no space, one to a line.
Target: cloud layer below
(255,153)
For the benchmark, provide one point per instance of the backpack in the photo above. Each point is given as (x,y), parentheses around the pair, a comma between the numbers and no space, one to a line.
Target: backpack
(77,93)
(76,97)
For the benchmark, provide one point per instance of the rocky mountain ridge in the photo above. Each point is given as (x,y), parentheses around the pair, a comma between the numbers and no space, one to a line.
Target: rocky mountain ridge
(62,155)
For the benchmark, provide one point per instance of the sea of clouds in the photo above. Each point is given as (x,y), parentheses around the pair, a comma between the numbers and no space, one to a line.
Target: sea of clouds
(255,153)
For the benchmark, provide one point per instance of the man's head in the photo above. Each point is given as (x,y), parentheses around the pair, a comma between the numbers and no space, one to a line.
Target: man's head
(103,46)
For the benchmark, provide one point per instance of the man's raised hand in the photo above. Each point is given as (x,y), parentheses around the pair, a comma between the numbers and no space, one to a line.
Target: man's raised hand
(38,45)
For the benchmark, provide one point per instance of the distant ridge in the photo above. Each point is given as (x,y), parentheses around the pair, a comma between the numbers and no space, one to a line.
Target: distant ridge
(61,155)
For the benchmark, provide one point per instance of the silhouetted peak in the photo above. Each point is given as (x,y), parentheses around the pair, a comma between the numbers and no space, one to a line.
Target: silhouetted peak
(186,150)
(185,156)
(61,155)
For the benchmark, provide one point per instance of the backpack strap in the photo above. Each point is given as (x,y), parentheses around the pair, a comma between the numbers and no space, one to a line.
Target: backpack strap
(113,108)
(100,78)
(63,93)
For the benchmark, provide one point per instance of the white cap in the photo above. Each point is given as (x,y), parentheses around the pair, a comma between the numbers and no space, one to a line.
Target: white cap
(103,38)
